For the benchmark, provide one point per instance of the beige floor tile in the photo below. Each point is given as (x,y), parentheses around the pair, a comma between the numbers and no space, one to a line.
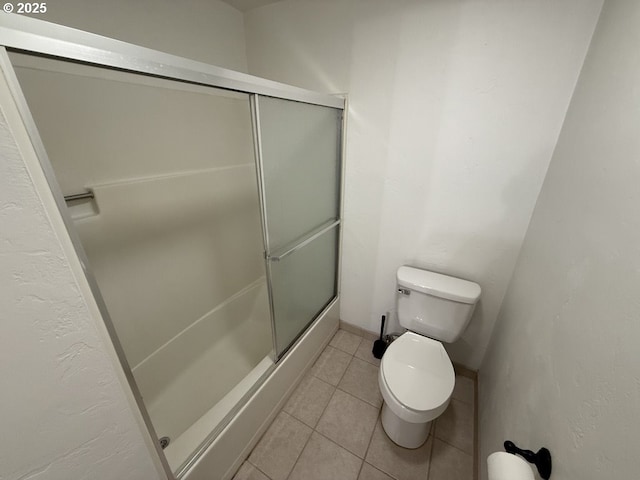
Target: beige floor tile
(346,341)
(464,389)
(370,473)
(322,459)
(331,365)
(450,463)
(364,352)
(361,380)
(249,472)
(279,448)
(349,422)
(400,463)
(455,426)
(309,400)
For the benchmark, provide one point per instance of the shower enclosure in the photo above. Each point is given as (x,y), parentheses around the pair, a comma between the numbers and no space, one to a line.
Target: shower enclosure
(205,205)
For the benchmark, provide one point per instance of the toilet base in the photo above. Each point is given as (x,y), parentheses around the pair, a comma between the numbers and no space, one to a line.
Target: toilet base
(401,432)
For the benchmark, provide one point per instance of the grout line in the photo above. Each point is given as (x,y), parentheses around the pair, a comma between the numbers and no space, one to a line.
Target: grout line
(381,471)
(345,370)
(464,371)
(374,430)
(433,443)
(452,445)
(353,396)
(476,449)
(474,433)
(325,408)
(361,399)
(436,437)
(388,474)
(303,447)
(256,467)
(370,437)
(338,445)
(375,363)
(342,350)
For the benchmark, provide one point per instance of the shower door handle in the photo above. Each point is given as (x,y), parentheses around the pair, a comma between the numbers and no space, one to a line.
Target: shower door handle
(303,243)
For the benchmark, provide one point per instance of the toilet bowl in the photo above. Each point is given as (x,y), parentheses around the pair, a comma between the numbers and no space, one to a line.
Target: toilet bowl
(416,380)
(416,376)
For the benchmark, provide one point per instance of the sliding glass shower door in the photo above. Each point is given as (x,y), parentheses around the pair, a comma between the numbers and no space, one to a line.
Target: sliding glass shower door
(299,162)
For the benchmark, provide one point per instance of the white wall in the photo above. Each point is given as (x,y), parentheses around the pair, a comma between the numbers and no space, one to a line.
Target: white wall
(563,369)
(455,109)
(65,409)
(206,30)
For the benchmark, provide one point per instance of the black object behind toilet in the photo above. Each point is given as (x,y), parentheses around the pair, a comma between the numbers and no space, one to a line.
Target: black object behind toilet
(379,346)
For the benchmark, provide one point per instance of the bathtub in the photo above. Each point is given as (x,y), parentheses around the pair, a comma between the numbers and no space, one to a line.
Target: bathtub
(193,382)
(221,458)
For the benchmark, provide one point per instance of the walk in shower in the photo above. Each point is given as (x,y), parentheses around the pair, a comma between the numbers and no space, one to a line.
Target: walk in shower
(204,204)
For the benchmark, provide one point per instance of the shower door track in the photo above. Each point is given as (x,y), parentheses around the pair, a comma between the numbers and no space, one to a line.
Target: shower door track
(44,38)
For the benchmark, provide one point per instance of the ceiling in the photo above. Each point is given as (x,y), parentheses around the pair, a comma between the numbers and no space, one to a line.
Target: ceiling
(246,5)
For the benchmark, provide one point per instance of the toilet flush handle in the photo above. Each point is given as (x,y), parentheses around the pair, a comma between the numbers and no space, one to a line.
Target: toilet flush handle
(404,291)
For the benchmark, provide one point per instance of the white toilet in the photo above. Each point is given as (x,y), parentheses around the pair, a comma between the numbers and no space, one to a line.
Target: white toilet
(416,375)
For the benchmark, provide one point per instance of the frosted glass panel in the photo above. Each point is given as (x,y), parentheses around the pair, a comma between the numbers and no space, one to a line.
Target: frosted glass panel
(172,231)
(303,283)
(300,151)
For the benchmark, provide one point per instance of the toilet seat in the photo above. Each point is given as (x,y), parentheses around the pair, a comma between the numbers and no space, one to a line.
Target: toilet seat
(416,378)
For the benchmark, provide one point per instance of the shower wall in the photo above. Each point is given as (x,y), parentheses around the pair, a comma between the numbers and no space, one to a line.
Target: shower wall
(174,179)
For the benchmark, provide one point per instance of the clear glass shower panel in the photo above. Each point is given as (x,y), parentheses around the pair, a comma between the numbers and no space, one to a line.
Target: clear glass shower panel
(301,168)
(303,283)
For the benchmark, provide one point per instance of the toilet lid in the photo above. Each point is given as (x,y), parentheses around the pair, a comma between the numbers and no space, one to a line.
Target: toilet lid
(418,372)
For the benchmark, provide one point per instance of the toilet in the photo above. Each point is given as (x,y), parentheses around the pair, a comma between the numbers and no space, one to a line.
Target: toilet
(416,376)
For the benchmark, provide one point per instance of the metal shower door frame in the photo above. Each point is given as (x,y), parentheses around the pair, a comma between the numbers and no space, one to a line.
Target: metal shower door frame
(269,256)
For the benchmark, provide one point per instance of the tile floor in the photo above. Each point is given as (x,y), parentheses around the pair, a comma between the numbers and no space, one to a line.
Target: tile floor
(330,427)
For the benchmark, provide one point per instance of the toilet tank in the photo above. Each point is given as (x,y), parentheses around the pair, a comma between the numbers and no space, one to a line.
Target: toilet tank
(435,305)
